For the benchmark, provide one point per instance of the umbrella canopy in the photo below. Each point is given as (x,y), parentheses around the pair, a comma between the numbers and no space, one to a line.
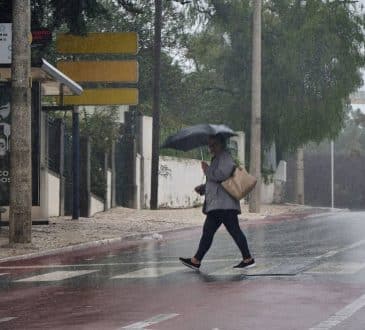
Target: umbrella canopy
(196,136)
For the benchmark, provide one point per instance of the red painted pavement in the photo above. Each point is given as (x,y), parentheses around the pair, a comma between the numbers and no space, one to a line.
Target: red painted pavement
(260,304)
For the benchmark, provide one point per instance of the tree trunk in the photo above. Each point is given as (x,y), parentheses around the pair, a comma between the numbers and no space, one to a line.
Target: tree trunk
(20,222)
(255,151)
(156,106)
(299,181)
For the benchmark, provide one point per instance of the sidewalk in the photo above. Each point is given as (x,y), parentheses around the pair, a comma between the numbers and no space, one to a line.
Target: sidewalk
(122,222)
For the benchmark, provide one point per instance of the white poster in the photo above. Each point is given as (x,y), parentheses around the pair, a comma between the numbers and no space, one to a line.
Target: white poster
(5,43)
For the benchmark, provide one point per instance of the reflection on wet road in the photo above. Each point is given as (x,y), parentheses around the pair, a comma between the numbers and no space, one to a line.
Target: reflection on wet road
(310,274)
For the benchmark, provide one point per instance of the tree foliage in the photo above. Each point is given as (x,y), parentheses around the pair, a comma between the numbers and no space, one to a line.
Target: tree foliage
(312,53)
(315,51)
(350,141)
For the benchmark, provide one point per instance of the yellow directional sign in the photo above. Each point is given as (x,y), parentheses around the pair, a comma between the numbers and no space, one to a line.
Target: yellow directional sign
(101,71)
(98,43)
(104,96)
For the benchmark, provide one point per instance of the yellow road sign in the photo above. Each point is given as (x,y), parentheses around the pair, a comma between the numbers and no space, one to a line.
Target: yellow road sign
(98,43)
(104,96)
(101,71)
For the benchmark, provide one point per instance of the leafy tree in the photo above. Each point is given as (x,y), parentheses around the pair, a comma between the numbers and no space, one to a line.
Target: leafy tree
(316,53)
(351,140)
(311,60)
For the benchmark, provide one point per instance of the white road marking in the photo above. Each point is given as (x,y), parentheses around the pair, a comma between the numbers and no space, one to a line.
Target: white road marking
(6,319)
(341,315)
(3,274)
(345,248)
(336,267)
(114,264)
(153,320)
(328,254)
(149,272)
(56,276)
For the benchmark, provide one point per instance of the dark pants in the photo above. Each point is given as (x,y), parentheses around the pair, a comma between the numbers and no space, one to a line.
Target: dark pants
(212,223)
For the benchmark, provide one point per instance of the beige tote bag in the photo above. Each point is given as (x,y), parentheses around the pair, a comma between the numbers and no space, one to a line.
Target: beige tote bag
(240,183)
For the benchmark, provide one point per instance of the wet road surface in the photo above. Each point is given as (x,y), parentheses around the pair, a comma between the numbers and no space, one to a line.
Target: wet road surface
(310,274)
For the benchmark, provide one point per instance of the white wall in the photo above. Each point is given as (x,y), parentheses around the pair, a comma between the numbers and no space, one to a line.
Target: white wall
(96,206)
(53,195)
(267,193)
(146,158)
(177,180)
(178,176)
(109,189)
(280,174)
(240,140)
(138,180)
(273,191)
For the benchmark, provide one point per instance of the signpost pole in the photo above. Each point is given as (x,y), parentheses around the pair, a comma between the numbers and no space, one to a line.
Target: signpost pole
(75,164)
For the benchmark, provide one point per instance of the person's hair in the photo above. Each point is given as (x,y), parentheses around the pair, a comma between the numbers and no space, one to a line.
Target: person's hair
(220,138)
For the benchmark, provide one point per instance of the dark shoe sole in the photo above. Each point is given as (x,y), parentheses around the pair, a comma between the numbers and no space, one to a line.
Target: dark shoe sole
(189,265)
(246,267)
(250,266)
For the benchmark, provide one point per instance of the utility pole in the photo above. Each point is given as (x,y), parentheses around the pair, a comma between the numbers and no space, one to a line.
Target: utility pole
(20,221)
(255,150)
(299,183)
(156,106)
(332,175)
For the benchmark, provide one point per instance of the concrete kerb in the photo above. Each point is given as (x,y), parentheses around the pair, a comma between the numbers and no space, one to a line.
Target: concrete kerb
(93,244)
(134,237)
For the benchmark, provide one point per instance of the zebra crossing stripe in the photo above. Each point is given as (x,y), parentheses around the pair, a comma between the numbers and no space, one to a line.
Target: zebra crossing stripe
(341,315)
(149,272)
(151,321)
(6,319)
(56,276)
(336,268)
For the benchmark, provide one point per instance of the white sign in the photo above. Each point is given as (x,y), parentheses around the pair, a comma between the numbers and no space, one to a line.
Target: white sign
(5,43)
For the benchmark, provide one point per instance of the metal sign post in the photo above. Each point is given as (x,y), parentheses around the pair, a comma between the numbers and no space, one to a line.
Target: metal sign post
(75,163)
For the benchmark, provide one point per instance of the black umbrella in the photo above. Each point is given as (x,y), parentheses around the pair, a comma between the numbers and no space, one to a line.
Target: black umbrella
(196,136)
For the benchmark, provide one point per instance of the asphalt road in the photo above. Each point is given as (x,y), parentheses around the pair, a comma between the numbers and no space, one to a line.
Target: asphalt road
(310,274)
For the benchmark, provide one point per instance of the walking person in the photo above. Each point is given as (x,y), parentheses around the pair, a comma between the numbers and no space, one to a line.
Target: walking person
(219,206)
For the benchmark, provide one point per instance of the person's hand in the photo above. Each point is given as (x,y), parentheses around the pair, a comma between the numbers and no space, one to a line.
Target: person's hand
(200,189)
(205,166)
